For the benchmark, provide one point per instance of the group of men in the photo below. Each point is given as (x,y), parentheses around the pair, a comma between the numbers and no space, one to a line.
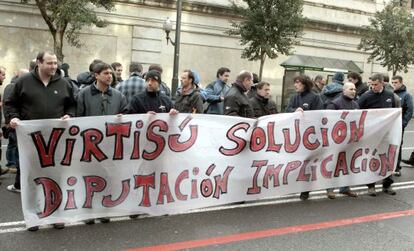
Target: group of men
(46,92)
(354,94)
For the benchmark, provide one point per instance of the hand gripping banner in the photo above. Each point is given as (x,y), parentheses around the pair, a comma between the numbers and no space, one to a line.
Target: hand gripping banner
(111,166)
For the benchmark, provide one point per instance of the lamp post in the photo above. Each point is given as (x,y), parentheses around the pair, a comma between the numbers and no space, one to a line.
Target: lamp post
(168,28)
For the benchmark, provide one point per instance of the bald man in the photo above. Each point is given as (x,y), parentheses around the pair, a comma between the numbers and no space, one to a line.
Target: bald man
(344,102)
(347,100)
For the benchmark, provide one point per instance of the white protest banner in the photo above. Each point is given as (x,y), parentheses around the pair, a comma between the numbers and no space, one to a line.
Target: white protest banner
(110,166)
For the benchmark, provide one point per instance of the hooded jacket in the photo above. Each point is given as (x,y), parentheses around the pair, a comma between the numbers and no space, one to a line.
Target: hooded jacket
(262,106)
(331,92)
(31,99)
(406,104)
(190,102)
(236,102)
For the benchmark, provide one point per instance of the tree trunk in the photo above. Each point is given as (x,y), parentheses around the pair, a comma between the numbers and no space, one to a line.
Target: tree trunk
(394,71)
(58,45)
(262,61)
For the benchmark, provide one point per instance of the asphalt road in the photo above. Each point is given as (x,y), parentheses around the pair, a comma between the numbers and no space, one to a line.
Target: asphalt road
(365,223)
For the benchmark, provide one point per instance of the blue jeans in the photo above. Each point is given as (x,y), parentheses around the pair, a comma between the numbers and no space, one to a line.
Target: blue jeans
(11,152)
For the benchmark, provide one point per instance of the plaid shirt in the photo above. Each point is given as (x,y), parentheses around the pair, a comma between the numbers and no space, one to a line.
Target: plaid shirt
(133,85)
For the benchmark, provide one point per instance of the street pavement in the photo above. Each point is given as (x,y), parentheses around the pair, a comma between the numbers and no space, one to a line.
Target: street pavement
(365,223)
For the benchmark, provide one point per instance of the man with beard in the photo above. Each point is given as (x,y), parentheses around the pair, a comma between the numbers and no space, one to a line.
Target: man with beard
(188,98)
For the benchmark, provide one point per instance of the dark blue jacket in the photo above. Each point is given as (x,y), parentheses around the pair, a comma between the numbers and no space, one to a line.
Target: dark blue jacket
(331,92)
(406,104)
(372,100)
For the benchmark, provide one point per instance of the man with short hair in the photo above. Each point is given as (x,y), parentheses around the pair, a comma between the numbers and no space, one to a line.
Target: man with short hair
(407,112)
(42,94)
(318,84)
(236,102)
(164,89)
(151,100)
(100,98)
(87,78)
(378,98)
(261,103)
(344,102)
(134,84)
(117,67)
(216,91)
(188,98)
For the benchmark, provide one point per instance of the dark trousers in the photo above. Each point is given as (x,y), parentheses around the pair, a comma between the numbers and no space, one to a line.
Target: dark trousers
(398,168)
(386,183)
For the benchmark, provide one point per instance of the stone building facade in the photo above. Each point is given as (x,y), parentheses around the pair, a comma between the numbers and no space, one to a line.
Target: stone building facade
(135,33)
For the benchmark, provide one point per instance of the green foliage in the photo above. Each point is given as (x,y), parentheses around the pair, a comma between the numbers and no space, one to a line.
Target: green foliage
(68,17)
(268,27)
(390,37)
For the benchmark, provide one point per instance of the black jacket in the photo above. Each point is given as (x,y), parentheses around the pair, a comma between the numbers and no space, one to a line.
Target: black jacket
(150,101)
(85,79)
(31,99)
(262,106)
(361,88)
(190,102)
(342,103)
(372,100)
(6,96)
(307,100)
(236,103)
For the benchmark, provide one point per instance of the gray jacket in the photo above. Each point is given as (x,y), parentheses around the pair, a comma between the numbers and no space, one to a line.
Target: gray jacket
(93,102)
